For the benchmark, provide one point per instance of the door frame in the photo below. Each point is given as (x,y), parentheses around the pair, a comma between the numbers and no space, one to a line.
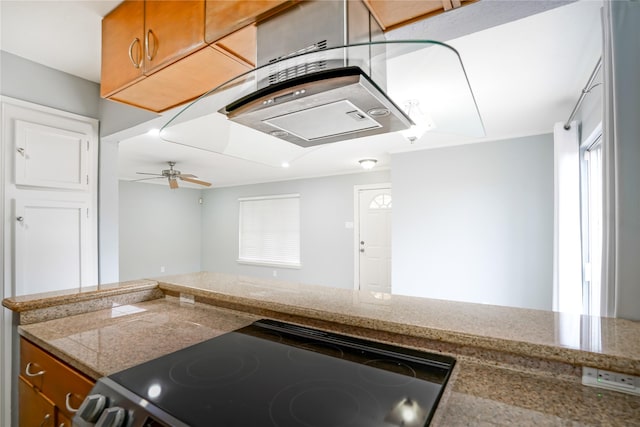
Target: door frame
(356,226)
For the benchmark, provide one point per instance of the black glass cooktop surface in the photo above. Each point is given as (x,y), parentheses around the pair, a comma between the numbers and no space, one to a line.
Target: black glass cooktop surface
(275,374)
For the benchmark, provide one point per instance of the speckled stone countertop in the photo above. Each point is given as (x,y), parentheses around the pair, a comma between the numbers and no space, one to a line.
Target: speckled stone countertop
(106,341)
(559,337)
(478,394)
(534,333)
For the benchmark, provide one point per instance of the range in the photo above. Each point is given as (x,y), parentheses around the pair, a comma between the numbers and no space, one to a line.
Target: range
(273,374)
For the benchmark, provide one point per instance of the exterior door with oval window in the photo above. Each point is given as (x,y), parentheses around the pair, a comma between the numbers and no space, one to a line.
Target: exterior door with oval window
(374,239)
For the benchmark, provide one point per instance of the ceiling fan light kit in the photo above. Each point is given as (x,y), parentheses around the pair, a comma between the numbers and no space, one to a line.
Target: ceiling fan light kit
(173,175)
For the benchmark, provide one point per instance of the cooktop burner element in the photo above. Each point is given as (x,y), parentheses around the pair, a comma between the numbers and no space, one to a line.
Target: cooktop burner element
(276,374)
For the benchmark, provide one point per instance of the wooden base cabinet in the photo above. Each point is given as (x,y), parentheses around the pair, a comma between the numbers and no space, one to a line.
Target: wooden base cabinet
(50,391)
(35,408)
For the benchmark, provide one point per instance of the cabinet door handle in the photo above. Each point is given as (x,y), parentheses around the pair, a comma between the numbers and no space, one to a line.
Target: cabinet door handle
(46,418)
(67,402)
(151,52)
(32,374)
(138,61)
(20,150)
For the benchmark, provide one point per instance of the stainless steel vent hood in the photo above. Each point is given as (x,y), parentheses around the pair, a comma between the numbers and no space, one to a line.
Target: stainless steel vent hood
(321,98)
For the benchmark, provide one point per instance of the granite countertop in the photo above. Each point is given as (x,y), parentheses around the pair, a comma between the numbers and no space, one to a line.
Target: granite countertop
(106,341)
(612,344)
(534,333)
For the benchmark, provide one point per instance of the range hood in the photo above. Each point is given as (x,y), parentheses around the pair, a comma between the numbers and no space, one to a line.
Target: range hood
(337,79)
(319,108)
(320,98)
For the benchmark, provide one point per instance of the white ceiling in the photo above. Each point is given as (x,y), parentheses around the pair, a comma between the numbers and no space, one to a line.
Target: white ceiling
(525,75)
(61,34)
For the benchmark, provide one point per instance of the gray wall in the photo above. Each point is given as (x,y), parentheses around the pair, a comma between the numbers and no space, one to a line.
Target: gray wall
(108,216)
(29,81)
(158,227)
(626,38)
(326,244)
(475,223)
(115,117)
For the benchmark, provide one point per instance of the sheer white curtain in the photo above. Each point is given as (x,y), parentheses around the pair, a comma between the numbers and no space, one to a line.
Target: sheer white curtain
(567,260)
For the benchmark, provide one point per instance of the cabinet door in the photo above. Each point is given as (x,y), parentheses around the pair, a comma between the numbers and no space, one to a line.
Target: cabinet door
(65,387)
(62,420)
(51,157)
(122,47)
(35,409)
(50,246)
(224,17)
(173,29)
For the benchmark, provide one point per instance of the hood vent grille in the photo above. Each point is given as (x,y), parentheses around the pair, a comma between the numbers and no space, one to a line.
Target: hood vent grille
(301,68)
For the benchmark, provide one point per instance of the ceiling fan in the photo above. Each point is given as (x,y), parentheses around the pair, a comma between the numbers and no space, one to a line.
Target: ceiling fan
(173,175)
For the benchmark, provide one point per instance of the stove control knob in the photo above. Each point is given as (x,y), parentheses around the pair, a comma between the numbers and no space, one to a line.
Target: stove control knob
(91,408)
(112,417)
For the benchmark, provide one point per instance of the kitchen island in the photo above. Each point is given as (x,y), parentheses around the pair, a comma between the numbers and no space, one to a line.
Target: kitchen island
(514,366)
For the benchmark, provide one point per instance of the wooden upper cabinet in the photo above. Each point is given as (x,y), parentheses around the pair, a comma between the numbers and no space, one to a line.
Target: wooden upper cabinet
(391,14)
(172,29)
(122,47)
(241,44)
(140,37)
(183,81)
(225,17)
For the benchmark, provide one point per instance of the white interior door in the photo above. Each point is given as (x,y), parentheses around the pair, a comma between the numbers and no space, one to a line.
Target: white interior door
(50,244)
(374,239)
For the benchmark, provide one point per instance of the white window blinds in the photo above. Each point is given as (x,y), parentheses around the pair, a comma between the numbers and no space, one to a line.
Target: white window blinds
(270,230)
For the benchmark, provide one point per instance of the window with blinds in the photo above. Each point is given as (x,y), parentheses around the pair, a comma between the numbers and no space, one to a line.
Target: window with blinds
(269,230)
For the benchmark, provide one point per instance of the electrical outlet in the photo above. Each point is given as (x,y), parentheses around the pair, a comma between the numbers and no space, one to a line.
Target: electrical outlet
(275,273)
(611,380)
(162,269)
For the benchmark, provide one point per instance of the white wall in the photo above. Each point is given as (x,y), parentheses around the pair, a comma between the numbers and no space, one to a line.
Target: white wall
(475,223)
(158,227)
(326,244)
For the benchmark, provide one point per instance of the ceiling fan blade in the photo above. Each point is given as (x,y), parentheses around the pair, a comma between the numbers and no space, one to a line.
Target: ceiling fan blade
(195,181)
(173,183)
(187,175)
(146,173)
(145,179)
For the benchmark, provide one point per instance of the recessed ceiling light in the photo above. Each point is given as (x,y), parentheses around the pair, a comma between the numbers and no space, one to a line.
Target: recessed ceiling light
(367,163)
(378,112)
(153,132)
(285,164)
(278,133)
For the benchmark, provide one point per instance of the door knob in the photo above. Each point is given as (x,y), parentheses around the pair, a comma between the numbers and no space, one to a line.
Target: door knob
(20,150)
(20,219)
(362,242)
(362,250)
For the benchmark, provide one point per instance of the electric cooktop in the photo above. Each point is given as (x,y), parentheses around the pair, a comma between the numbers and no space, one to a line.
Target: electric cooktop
(274,374)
